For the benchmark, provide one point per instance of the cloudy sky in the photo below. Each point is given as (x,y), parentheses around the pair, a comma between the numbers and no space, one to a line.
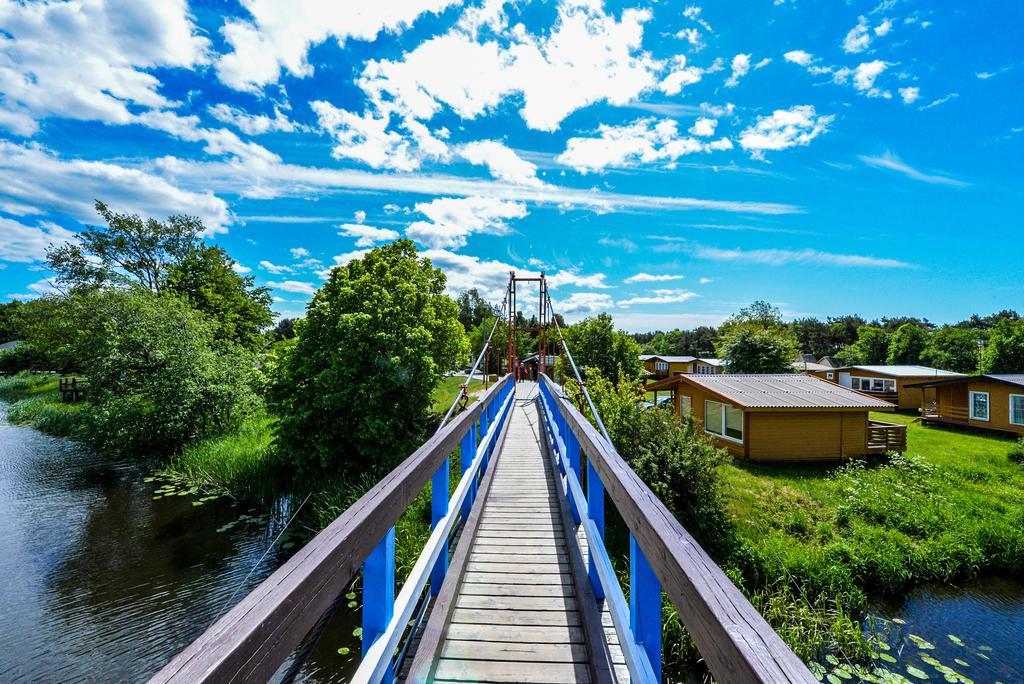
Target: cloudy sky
(664,161)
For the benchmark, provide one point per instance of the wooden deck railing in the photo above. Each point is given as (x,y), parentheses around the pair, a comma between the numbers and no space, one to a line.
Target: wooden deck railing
(251,641)
(933,410)
(732,637)
(885,437)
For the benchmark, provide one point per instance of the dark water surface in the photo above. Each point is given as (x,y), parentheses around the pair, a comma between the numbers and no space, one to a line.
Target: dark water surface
(103,583)
(985,619)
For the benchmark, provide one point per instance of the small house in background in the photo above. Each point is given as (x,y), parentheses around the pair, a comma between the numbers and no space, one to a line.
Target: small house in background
(807,363)
(991,402)
(658,366)
(13,344)
(886,382)
(789,417)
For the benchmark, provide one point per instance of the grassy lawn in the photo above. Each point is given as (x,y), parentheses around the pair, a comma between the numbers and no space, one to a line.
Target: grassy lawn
(35,400)
(951,508)
(446,391)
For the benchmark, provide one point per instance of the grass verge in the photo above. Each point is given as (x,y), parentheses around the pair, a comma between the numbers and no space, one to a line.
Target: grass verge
(35,401)
(951,508)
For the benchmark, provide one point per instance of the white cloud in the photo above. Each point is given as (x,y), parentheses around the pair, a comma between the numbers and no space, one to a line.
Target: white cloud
(27,244)
(864,78)
(680,75)
(910,94)
(240,269)
(884,28)
(571,278)
(360,215)
(642,321)
(740,68)
(782,257)
(279,179)
(253,124)
(582,303)
(365,138)
(588,57)
(649,278)
(660,297)
(939,101)
(90,59)
(785,128)
(859,37)
(274,268)
(798,57)
(705,281)
(624,244)
(891,162)
(450,221)
(32,174)
(367,235)
(278,35)
(644,141)
(299,252)
(704,127)
(502,162)
(693,13)
(295,286)
(36,289)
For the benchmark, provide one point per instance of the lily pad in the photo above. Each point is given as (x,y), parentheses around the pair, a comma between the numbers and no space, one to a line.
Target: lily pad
(921,642)
(899,621)
(915,672)
(956,640)
(344,650)
(961,663)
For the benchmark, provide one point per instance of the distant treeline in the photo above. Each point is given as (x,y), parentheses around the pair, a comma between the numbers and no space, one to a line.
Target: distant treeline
(993,343)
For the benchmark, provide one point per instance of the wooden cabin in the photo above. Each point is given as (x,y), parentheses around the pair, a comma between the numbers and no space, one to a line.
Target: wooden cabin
(786,417)
(990,402)
(658,366)
(888,383)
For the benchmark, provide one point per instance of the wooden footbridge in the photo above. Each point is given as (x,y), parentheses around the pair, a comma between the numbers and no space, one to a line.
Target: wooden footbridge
(514,583)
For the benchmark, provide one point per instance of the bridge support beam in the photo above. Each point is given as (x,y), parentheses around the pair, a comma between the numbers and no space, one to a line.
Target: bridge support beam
(572,449)
(595,511)
(439,486)
(467,452)
(645,606)
(379,594)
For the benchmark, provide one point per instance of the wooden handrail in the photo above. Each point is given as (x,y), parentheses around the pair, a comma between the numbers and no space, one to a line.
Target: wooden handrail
(731,636)
(250,642)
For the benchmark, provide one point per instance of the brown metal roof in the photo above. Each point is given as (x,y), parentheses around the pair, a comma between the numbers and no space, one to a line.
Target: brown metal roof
(789,391)
(1006,378)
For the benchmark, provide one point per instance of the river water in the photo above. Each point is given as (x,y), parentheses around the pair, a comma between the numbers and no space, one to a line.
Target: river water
(103,583)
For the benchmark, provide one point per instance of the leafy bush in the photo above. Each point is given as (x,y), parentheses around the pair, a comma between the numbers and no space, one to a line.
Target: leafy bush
(674,458)
(157,377)
(1017,451)
(353,394)
(17,359)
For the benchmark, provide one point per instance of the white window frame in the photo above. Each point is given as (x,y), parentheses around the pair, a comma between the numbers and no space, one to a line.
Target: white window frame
(661,365)
(988,406)
(1012,397)
(725,421)
(830,376)
(859,380)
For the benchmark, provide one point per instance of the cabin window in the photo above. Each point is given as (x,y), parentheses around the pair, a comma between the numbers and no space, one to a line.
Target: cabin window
(685,406)
(703,370)
(661,365)
(873,384)
(723,420)
(830,376)
(979,405)
(1017,409)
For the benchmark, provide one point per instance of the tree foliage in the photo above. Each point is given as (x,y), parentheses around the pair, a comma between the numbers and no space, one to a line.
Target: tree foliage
(1004,352)
(240,311)
(158,376)
(871,347)
(906,345)
(474,309)
(698,342)
(9,329)
(595,343)
(129,250)
(756,340)
(354,392)
(954,349)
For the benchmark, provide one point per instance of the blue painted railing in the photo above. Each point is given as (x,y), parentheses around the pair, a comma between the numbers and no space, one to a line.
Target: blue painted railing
(638,623)
(385,617)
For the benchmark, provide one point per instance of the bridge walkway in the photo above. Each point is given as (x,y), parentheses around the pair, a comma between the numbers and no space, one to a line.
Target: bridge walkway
(515,614)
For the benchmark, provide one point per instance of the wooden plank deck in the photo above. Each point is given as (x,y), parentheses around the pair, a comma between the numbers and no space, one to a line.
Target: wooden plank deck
(515,616)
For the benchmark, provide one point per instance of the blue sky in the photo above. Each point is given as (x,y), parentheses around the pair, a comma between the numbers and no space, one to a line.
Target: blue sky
(666,162)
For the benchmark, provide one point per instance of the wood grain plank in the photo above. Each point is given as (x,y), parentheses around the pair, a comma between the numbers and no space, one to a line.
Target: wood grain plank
(517,602)
(502,672)
(515,652)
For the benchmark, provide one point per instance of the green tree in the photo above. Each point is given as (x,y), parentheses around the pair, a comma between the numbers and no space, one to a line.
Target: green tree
(756,340)
(595,343)
(284,330)
(906,345)
(53,326)
(871,347)
(954,349)
(205,278)
(9,321)
(473,309)
(813,336)
(1004,352)
(353,394)
(158,377)
(127,251)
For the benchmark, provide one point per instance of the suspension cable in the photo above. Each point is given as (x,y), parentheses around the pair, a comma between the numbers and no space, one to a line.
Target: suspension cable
(590,402)
(463,390)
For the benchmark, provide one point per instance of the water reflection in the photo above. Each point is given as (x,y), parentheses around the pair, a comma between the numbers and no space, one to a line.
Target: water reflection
(102,583)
